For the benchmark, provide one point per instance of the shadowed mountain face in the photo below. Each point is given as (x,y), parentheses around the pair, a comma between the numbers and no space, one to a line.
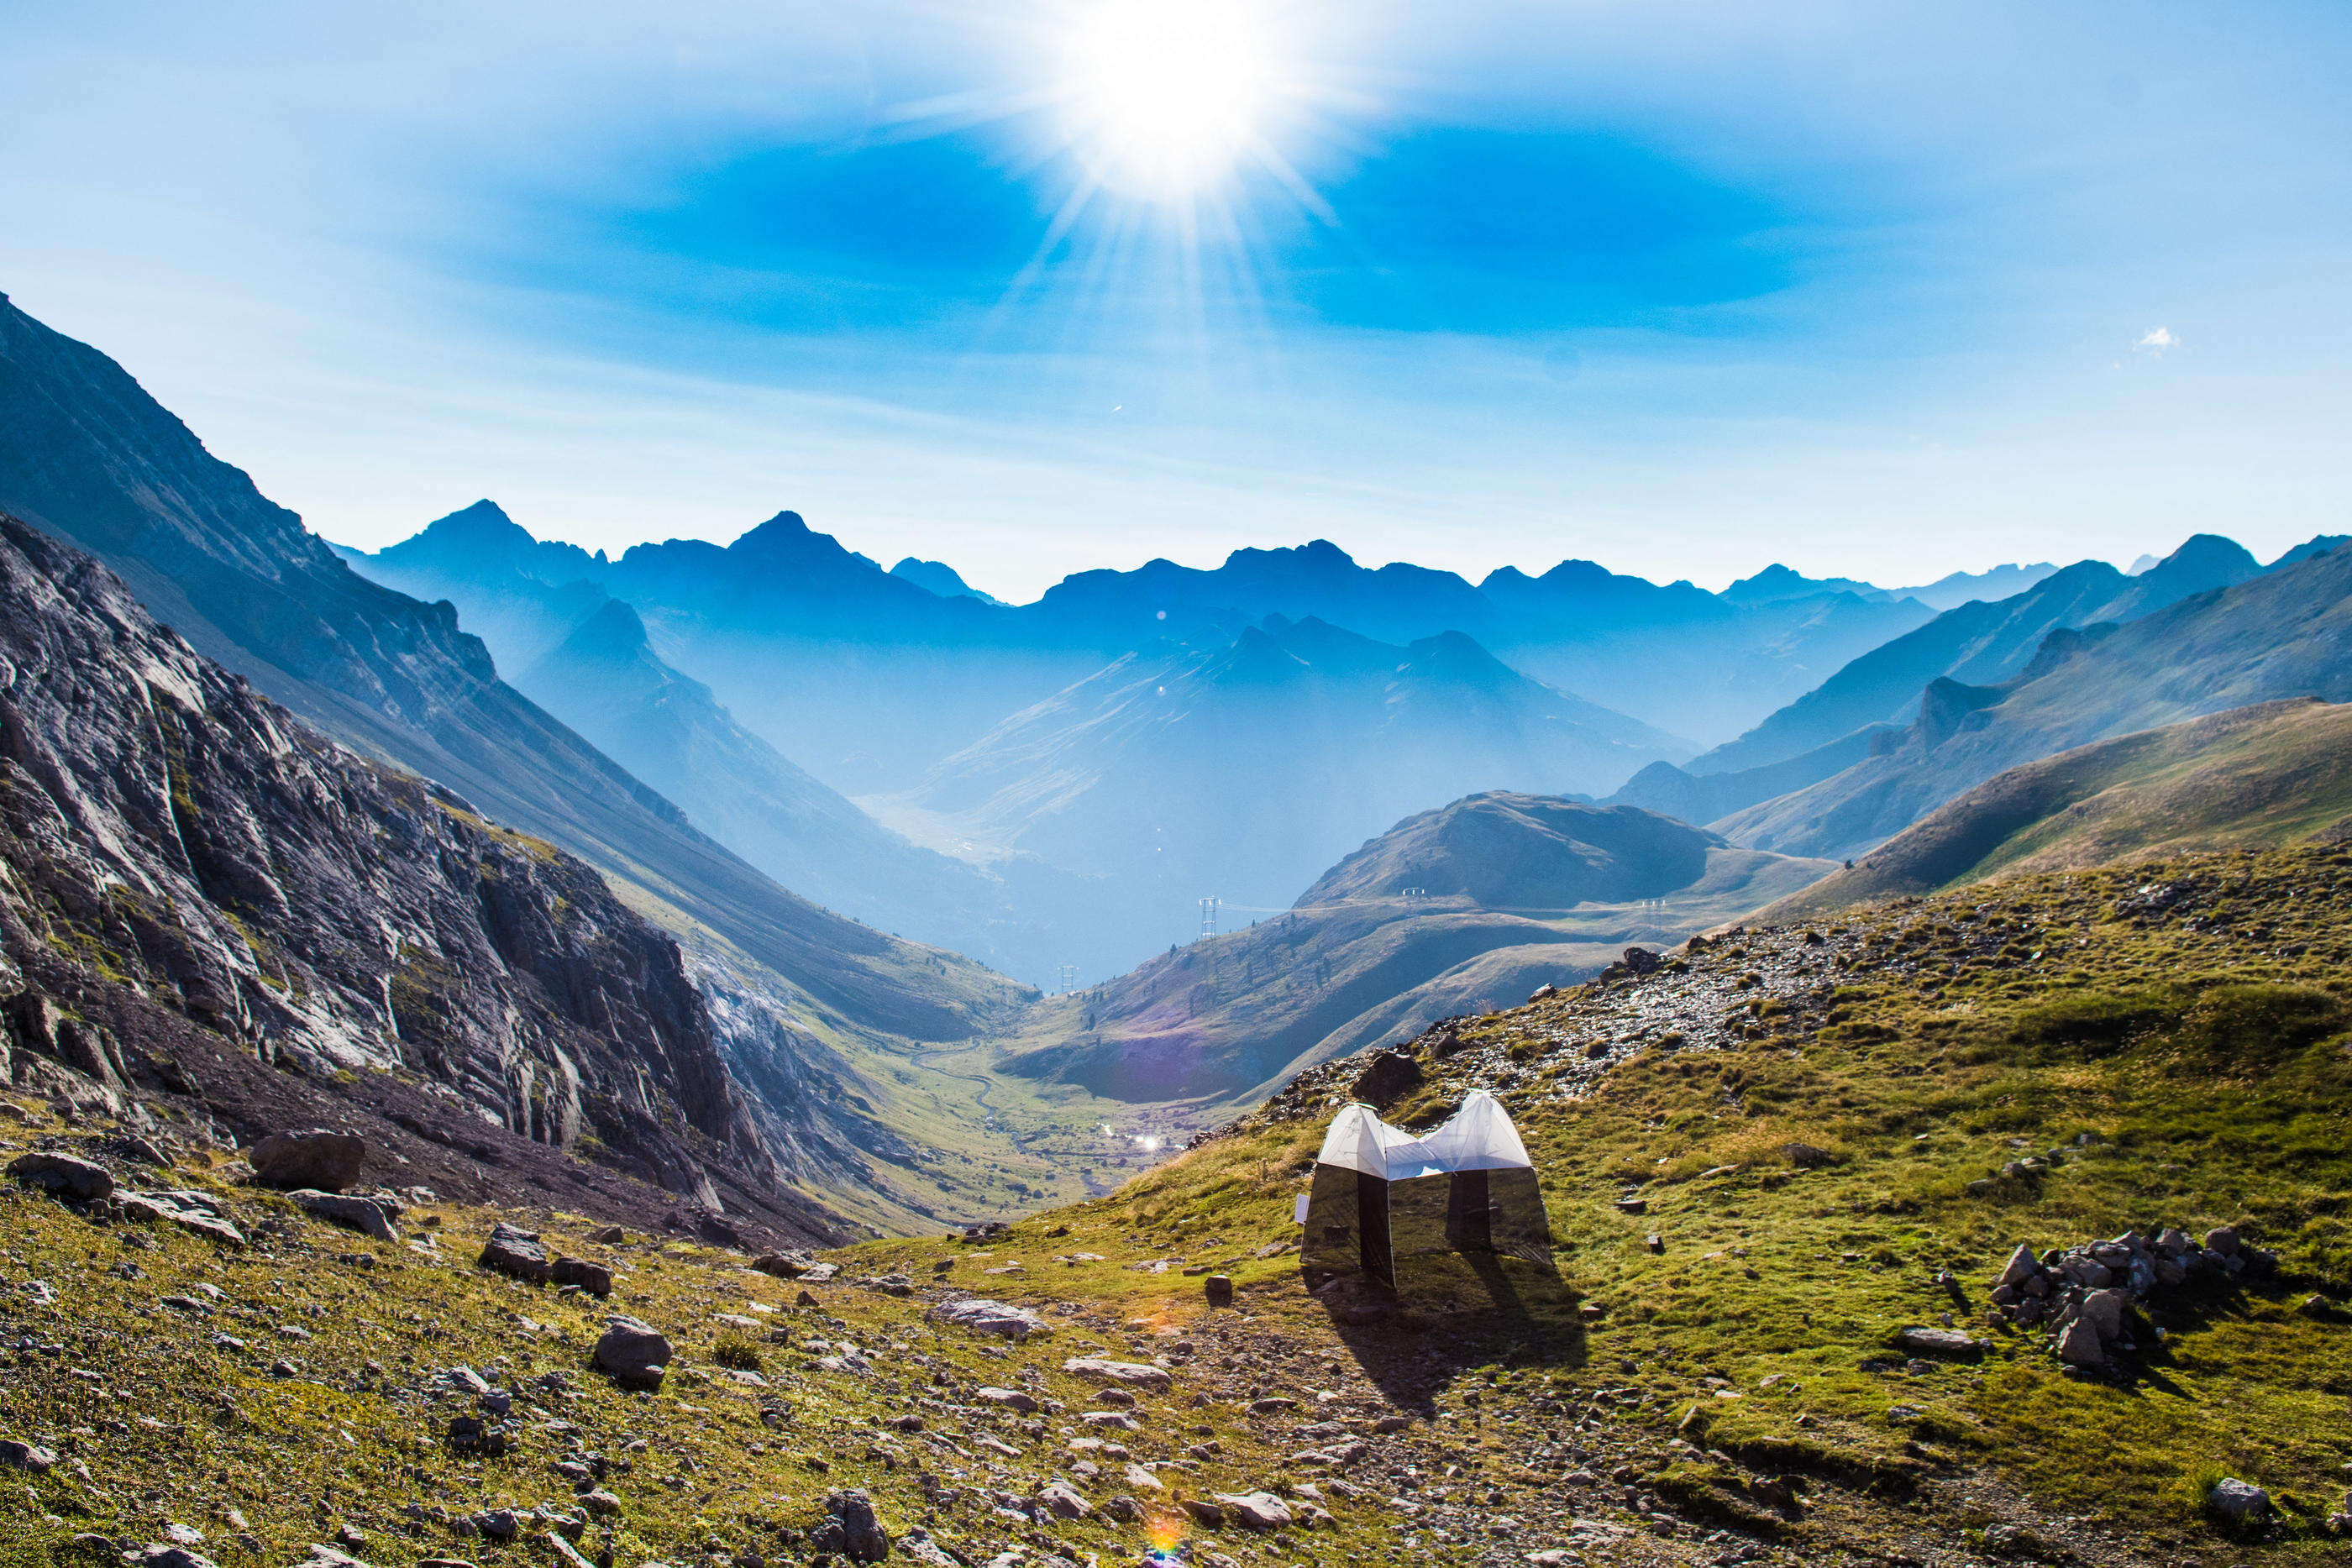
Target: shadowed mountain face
(1864,704)
(2287,633)
(1509,892)
(2252,777)
(87,455)
(1243,771)
(174,836)
(604,681)
(1979,644)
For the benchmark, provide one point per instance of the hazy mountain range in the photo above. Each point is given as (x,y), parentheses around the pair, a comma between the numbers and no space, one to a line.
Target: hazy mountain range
(2286,632)
(780,753)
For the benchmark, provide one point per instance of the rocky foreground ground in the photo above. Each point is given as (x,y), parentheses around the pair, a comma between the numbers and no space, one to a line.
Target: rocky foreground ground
(1788,1175)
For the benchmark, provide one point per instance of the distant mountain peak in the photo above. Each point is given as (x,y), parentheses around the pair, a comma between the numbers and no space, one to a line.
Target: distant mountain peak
(937,577)
(784,526)
(613,631)
(1315,554)
(1778,581)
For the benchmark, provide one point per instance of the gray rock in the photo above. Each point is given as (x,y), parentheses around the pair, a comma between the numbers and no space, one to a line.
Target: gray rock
(2023,1266)
(1135,1374)
(2223,1239)
(635,1352)
(2079,1345)
(1011,1398)
(190,1211)
(850,1529)
(593,1277)
(1257,1509)
(1807,1156)
(1063,1501)
(988,1317)
(2104,1311)
(20,1455)
(321,1158)
(365,1214)
(1950,1343)
(1388,1074)
(1125,1509)
(498,1523)
(518,1252)
(2235,1499)
(324,1556)
(84,1181)
(162,1554)
(1206,1514)
(919,1546)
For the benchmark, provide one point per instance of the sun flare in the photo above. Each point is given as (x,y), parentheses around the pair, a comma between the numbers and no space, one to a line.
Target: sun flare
(1167,94)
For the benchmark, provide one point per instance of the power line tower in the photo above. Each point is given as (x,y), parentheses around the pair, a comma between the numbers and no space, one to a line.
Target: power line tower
(1209,915)
(1069,977)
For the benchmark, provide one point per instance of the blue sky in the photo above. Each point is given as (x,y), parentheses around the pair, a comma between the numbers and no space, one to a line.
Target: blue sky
(1878,290)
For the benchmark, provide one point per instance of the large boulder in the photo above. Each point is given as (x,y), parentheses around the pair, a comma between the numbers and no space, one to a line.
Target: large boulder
(2235,1499)
(1132,1373)
(517,1252)
(20,1455)
(1255,1511)
(635,1352)
(1062,1501)
(1388,1074)
(84,1181)
(989,1317)
(783,1265)
(850,1530)
(319,1158)
(593,1277)
(365,1214)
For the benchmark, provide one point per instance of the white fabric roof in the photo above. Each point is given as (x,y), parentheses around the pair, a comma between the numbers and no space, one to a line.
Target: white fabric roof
(1477,1137)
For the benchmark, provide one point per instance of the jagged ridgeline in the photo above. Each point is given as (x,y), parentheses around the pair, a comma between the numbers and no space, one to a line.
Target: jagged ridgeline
(194,876)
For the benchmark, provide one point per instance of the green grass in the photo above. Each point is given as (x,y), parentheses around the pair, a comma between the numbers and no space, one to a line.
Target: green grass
(2209,1069)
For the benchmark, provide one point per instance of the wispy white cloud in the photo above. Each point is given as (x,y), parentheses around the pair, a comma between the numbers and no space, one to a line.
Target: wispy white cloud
(2156,340)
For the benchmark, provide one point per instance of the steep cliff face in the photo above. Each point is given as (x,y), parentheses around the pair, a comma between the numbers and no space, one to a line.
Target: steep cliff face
(167,829)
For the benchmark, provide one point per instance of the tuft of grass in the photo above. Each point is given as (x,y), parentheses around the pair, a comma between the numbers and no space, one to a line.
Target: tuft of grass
(738,1353)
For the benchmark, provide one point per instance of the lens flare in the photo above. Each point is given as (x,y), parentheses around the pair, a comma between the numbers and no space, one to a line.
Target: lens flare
(1167,94)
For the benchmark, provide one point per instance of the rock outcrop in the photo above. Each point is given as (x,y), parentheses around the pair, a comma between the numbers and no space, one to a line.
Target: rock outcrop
(171,831)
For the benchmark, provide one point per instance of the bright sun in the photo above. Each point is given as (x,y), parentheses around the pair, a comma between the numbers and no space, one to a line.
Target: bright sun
(1166,93)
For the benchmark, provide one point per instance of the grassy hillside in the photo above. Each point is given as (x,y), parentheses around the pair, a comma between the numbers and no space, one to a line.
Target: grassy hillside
(2271,774)
(1725,1392)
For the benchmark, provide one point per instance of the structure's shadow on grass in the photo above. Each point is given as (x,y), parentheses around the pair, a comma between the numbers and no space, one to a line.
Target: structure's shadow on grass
(1450,1313)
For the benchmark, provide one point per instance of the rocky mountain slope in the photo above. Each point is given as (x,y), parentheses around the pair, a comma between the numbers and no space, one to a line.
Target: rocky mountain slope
(2271,774)
(1245,770)
(2279,635)
(87,455)
(176,842)
(1776,1169)
(1459,910)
